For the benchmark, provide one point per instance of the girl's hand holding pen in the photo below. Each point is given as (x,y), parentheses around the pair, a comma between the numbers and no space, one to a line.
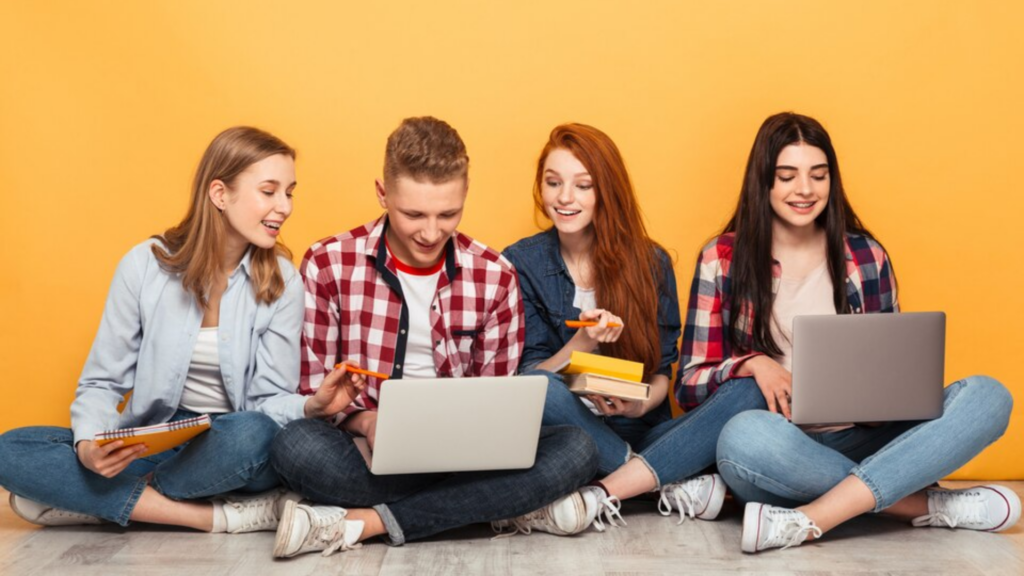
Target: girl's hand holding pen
(597,326)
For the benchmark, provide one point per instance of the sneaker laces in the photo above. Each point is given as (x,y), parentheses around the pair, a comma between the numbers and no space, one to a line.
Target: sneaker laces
(791,532)
(952,509)
(60,513)
(256,512)
(685,501)
(520,524)
(328,531)
(609,509)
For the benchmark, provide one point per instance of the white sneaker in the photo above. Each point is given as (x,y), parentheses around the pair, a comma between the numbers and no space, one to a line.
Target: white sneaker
(767,527)
(314,528)
(566,516)
(255,512)
(608,508)
(697,497)
(44,515)
(991,508)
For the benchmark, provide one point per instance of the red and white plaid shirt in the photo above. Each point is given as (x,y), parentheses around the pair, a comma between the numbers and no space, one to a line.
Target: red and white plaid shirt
(355,311)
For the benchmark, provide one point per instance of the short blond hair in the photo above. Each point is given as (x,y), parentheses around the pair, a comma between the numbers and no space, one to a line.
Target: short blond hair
(425,148)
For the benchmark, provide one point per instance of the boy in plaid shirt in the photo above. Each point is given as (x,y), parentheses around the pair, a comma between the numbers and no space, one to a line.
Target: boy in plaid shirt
(409,296)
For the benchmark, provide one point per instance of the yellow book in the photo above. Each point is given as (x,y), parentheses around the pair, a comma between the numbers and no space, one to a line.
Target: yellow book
(581,362)
(159,437)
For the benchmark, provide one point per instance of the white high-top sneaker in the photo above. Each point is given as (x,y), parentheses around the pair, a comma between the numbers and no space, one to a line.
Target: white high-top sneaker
(315,528)
(566,516)
(608,508)
(767,527)
(44,515)
(991,508)
(255,512)
(697,497)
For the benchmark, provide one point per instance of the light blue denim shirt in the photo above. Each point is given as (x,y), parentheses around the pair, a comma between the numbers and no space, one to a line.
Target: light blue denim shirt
(148,333)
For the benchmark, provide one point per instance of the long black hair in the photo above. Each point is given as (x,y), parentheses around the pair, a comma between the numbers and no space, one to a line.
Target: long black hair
(751,272)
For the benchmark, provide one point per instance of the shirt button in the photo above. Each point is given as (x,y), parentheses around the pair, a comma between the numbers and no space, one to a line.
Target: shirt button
(402,331)
(399,367)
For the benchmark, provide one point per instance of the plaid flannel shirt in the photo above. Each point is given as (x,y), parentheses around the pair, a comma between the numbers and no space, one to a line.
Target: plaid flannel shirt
(355,311)
(707,358)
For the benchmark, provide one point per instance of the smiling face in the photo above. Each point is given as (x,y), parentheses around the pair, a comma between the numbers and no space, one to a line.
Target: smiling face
(801,187)
(422,216)
(567,193)
(257,203)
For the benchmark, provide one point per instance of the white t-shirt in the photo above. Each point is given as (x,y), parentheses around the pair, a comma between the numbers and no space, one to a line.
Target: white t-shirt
(204,391)
(810,295)
(419,286)
(584,300)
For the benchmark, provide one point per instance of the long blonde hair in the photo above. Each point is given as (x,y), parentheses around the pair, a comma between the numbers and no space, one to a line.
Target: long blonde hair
(194,247)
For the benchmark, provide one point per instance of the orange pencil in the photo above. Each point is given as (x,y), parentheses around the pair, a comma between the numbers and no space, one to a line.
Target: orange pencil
(350,368)
(588,323)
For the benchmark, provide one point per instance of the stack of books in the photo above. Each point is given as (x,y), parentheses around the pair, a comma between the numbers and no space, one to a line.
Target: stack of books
(605,376)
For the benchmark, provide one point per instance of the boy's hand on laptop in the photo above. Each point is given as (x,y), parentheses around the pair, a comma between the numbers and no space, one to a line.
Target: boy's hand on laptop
(336,392)
(775,382)
(363,424)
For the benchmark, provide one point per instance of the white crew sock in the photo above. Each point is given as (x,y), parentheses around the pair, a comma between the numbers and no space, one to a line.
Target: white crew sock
(220,518)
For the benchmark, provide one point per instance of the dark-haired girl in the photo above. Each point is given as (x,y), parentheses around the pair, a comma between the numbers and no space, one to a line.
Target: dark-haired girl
(795,247)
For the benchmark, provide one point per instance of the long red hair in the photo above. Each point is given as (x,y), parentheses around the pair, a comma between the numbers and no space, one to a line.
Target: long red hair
(624,264)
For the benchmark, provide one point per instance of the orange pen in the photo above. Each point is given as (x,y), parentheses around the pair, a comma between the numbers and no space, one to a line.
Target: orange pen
(588,324)
(355,370)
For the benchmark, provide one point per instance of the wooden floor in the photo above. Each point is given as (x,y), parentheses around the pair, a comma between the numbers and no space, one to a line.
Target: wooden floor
(650,544)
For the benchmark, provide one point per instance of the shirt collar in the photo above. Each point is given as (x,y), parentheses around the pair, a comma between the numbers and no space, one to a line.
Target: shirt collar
(376,249)
(556,264)
(245,265)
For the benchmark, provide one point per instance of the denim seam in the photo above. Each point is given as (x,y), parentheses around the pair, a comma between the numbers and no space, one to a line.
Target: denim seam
(686,422)
(133,499)
(396,537)
(629,454)
(212,487)
(880,503)
(858,471)
(657,480)
(768,480)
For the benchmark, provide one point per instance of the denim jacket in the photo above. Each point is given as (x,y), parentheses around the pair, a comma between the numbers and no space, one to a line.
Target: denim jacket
(548,292)
(148,333)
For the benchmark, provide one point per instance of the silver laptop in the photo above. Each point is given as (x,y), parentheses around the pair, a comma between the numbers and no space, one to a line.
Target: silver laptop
(458,424)
(868,367)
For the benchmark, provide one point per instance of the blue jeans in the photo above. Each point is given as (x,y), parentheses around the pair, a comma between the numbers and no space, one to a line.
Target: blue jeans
(322,463)
(673,449)
(765,458)
(40,463)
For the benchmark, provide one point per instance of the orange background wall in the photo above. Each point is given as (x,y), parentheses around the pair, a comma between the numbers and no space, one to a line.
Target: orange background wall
(105,108)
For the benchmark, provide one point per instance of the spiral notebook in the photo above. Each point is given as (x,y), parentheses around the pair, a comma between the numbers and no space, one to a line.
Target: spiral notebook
(159,437)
